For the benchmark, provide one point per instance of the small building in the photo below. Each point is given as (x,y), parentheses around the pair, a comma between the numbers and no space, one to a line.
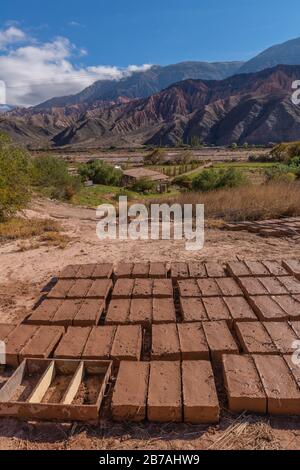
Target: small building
(135,174)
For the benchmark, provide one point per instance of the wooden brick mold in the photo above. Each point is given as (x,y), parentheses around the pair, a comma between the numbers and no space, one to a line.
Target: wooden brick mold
(58,390)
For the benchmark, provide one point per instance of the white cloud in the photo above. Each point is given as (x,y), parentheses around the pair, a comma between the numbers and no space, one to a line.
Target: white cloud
(36,72)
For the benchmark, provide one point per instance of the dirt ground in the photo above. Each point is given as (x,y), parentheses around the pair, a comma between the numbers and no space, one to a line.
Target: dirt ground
(24,273)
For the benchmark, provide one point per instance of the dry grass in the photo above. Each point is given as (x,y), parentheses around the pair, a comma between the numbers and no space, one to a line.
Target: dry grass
(33,233)
(268,201)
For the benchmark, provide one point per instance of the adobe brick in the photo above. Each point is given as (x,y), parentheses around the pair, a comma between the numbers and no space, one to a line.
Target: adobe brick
(85,271)
(100,289)
(118,312)
(215,269)
(123,289)
(197,269)
(72,343)
(216,309)
(273,286)
(99,343)
(239,309)
(43,343)
(165,343)
(164,393)
(289,304)
(281,389)
(275,268)
(127,345)
(200,400)
(252,286)
(244,389)
(162,288)
(66,313)
(103,271)
(129,400)
(163,311)
(293,267)
(254,338)
(61,289)
(158,270)
(123,270)
(142,288)
(79,289)
(208,287)
(89,312)
(44,313)
(292,284)
(267,309)
(238,269)
(140,270)
(257,268)
(189,288)
(229,287)
(16,341)
(192,310)
(141,312)
(179,271)
(282,335)
(192,340)
(69,272)
(5,330)
(219,339)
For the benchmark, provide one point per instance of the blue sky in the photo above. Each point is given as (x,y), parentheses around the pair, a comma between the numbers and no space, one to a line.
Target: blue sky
(98,34)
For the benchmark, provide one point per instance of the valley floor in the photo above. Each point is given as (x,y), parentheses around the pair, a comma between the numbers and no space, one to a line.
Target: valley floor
(25,271)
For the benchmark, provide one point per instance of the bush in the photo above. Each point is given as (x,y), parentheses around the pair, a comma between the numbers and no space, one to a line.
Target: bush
(155,157)
(211,179)
(100,173)
(280,173)
(51,174)
(286,152)
(143,185)
(14,178)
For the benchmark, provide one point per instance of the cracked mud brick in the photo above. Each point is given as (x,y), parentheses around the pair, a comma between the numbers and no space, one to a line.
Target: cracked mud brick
(140,270)
(61,289)
(197,270)
(118,312)
(129,400)
(252,286)
(142,288)
(275,268)
(192,310)
(282,335)
(215,270)
(5,330)
(103,271)
(281,389)
(244,388)
(239,309)
(189,288)
(219,339)
(89,313)
(123,289)
(179,271)
(267,309)
(124,270)
(238,269)
(293,267)
(127,345)
(209,287)
(79,289)
(216,309)
(99,343)
(16,341)
(165,343)
(158,270)
(200,400)
(43,343)
(69,272)
(163,311)
(100,289)
(229,287)
(72,343)
(254,338)
(44,313)
(192,340)
(257,268)
(289,304)
(141,312)
(292,284)
(164,392)
(273,286)
(162,288)
(66,313)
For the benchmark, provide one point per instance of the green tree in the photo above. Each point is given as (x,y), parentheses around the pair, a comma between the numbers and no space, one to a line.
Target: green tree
(211,179)
(100,173)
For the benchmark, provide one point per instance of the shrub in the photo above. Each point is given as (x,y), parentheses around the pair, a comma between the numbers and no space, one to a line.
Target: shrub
(155,157)
(100,173)
(280,173)
(286,152)
(51,174)
(143,185)
(14,178)
(211,179)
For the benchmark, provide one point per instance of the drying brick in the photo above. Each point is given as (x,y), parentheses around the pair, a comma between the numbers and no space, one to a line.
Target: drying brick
(273,286)
(209,287)
(189,288)
(229,287)
(164,311)
(100,289)
(244,389)
(219,339)
(282,335)
(123,289)
(200,400)
(275,268)
(127,345)
(85,271)
(239,309)
(162,288)
(79,289)
(141,312)
(43,343)
(289,304)
(66,313)
(293,267)
(281,389)
(292,284)
(179,271)
(44,313)
(192,340)
(103,271)
(16,341)
(267,309)
(214,269)
(238,269)
(165,343)
(192,310)
(252,286)
(72,343)
(197,269)
(5,330)
(216,309)
(61,289)
(158,270)
(141,270)
(69,272)
(129,400)
(118,312)
(89,312)
(123,270)
(142,288)
(99,343)
(257,268)
(164,394)
(254,338)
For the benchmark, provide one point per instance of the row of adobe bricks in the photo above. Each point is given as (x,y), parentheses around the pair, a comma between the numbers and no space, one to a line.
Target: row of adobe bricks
(167,342)
(172,391)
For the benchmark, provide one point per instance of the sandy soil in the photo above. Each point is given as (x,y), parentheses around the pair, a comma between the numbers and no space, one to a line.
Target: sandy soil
(23,275)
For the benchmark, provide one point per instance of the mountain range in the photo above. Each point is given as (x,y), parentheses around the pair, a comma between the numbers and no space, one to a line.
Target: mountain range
(217,103)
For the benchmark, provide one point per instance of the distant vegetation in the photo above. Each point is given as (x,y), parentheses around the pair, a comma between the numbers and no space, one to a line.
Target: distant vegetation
(100,172)
(212,179)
